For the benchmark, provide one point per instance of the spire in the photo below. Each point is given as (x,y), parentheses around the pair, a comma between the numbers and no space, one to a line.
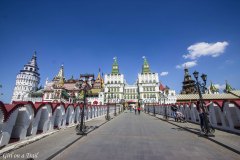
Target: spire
(213,89)
(145,67)
(186,70)
(33,61)
(32,66)
(228,88)
(115,69)
(99,74)
(60,74)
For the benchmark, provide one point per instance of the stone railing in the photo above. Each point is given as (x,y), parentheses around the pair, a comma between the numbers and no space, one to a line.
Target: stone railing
(20,120)
(224,115)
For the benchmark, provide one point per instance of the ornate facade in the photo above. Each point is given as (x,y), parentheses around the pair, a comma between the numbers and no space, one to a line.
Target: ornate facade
(188,84)
(144,90)
(68,91)
(114,85)
(26,81)
(113,89)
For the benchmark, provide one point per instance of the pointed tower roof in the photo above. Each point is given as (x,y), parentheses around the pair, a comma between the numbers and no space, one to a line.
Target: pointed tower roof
(115,68)
(32,66)
(99,75)
(33,61)
(145,67)
(228,88)
(60,74)
(98,83)
(188,86)
(212,88)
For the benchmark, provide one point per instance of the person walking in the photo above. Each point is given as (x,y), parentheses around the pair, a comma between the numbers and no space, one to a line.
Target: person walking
(139,110)
(135,109)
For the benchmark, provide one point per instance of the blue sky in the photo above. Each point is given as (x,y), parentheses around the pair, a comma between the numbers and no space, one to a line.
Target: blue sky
(86,35)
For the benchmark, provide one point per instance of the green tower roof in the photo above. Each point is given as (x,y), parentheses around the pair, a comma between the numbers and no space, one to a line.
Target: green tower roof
(145,67)
(213,88)
(228,87)
(115,68)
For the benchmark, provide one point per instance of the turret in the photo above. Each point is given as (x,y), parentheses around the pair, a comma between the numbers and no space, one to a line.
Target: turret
(27,80)
(115,68)
(145,66)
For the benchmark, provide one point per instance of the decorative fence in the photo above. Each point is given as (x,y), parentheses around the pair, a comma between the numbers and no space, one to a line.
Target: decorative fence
(23,119)
(224,115)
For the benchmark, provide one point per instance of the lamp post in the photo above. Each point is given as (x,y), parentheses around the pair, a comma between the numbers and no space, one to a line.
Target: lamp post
(85,87)
(122,101)
(201,87)
(115,107)
(107,117)
(153,104)
(164,102)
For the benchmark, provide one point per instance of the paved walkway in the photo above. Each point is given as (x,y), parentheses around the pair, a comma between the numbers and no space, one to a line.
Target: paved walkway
(50,145)
(228,140)
(143,137)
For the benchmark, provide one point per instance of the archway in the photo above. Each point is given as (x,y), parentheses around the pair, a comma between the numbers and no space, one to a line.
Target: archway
(77,114)
(216,115)
(45,119)
(69,115)
(24,119)
(188,112)
(59,116)
(233,115)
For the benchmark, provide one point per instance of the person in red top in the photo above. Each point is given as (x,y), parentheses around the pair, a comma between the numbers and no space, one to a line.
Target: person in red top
(139,110)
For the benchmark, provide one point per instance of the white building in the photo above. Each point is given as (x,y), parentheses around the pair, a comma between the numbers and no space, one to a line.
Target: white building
(148,84)
(26,81)
(114,85)
(144,91)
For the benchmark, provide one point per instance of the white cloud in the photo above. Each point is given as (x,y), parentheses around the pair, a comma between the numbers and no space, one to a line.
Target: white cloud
(220,87)
(205,49)
(187,64)
(163,73)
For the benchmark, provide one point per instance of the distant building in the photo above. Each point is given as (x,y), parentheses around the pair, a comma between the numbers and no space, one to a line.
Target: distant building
(114,85)
(144,91)
(148,84)
(68,91)
(27,81)
(188,86)
(112,89)
(167,95)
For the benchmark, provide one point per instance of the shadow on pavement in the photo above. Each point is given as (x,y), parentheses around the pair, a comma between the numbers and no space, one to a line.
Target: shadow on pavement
(179,129)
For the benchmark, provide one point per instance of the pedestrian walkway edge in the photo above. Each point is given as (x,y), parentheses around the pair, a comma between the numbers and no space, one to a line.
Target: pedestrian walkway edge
(209,138)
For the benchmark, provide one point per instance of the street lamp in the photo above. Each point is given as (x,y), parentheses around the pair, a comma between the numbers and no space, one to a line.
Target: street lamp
(201,88)
(123,103)
(107,117)
(85,87)
(162,96)
(153,104)
(115,107)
